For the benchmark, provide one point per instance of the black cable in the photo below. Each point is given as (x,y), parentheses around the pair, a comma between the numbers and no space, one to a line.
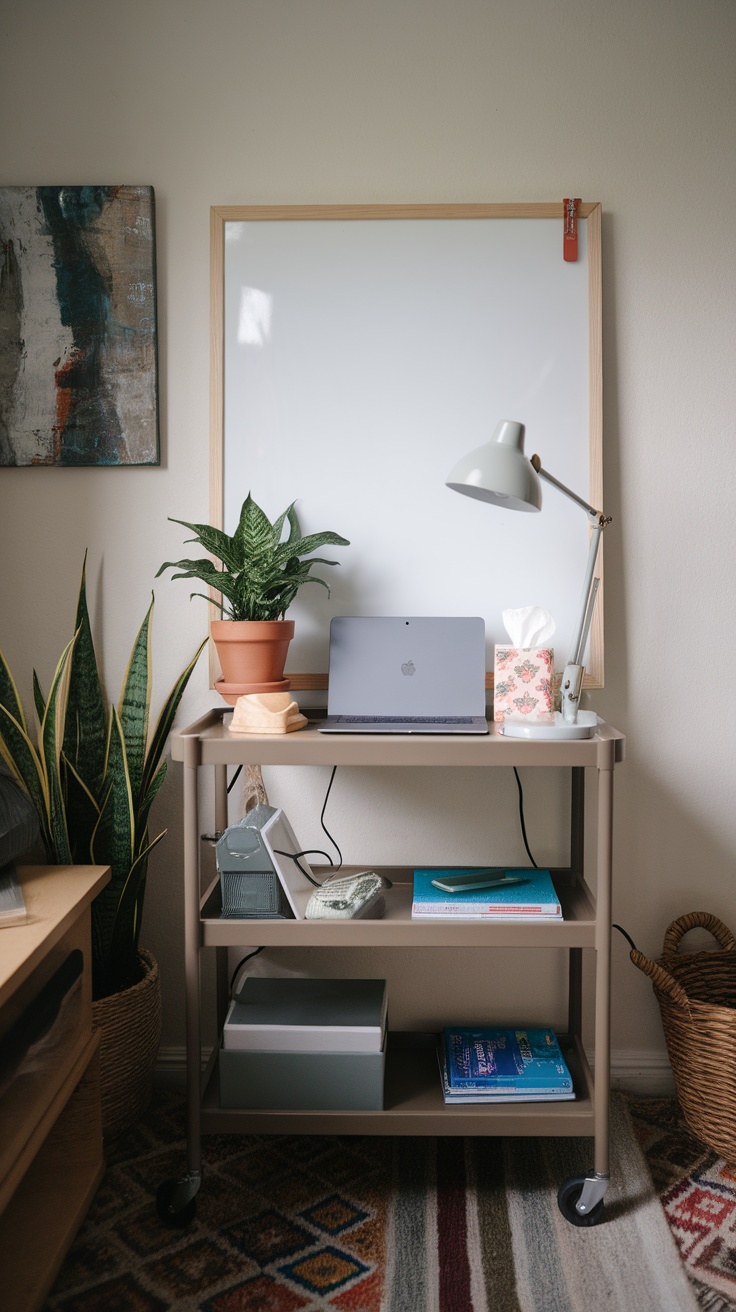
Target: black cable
(628,937)
(242,962)
(316,851)
(234,778)
(294,856)
(322,820)
(521,818)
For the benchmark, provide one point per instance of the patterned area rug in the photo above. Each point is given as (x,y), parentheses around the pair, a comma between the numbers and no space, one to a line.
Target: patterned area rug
(698,1194)
(316,1224)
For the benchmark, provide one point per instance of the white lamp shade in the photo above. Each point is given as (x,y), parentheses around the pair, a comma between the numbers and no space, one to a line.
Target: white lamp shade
(499,472)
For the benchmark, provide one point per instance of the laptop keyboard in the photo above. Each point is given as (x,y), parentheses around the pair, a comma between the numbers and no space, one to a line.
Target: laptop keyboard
(401,719)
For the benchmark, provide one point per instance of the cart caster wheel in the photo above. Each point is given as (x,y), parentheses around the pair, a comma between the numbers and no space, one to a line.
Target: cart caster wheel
(568,1195)
(171,1210)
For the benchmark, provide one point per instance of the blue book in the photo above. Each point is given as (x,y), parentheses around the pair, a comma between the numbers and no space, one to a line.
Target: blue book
(499,1092)
(534,897)
(520,1060)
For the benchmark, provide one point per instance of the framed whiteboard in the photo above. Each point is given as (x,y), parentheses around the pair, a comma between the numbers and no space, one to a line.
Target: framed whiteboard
(358,351)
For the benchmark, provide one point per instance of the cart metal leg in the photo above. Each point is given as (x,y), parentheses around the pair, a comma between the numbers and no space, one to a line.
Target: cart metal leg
(176,1199)
(581,1198)
(577,868)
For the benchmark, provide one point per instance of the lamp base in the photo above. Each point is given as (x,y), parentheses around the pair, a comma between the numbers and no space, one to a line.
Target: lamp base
(584,727)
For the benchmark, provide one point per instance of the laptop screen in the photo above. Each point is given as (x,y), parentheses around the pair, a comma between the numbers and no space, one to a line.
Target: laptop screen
(407,666)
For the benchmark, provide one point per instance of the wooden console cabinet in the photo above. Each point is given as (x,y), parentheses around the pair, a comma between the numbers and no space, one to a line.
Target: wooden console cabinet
(51,1154)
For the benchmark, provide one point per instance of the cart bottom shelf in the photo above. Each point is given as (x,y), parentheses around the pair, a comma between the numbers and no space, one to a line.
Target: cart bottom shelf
(413,1104)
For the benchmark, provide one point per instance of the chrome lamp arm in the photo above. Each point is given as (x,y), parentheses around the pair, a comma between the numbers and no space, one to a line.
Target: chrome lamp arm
(572,678)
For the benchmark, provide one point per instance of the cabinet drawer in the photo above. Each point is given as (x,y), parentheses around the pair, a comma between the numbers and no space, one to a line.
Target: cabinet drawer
(45,1026)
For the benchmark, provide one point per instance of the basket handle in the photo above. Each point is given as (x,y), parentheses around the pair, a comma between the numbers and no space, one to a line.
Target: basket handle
(661,978)
(697,919)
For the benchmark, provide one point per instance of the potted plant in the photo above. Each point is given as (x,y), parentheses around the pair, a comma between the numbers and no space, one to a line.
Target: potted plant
(260,574)
(92,776)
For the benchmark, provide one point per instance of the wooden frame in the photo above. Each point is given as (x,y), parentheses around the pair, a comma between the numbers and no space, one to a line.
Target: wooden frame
(589,212)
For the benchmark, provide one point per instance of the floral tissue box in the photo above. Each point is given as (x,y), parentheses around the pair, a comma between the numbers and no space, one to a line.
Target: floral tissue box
(522,683)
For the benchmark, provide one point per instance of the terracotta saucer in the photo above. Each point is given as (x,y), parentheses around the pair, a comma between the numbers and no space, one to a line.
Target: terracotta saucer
(231,691)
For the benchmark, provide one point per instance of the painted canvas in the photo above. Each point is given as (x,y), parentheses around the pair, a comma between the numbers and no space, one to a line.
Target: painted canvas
(78,367)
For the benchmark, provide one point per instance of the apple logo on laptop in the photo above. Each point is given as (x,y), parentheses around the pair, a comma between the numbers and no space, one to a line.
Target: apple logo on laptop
(408,668)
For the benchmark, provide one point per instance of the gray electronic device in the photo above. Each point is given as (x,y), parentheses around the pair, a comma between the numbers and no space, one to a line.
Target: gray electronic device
(478,879)
(406,674)
(249,882)
(259,879)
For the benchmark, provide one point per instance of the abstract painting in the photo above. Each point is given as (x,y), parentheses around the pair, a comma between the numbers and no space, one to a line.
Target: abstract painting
(78,367)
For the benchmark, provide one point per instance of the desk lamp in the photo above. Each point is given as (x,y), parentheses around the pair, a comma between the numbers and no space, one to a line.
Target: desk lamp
(502,475)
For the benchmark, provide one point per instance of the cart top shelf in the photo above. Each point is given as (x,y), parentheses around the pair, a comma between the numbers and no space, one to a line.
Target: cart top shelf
(209,741)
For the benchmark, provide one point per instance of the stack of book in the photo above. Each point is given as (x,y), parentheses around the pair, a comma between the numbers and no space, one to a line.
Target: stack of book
(531,896)
(503,1065)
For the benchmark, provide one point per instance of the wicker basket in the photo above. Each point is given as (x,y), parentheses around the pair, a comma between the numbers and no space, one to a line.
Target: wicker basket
(130,1023)
(696,992)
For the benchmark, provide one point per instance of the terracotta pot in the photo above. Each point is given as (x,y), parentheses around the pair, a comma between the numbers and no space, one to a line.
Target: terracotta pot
(130,1025)
(252,652)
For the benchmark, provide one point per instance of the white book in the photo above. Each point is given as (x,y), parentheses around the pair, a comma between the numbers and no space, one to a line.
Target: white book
(307,1015)
(450,911)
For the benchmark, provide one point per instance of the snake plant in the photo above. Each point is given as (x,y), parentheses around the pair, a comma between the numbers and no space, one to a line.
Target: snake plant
(260,574)
(92,774)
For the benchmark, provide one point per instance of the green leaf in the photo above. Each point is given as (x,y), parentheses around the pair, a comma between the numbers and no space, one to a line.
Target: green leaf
(147,801)
(294,529)
(126,925)
(9,695)
(85,728)
(113,841)
(39,700)
(82,813)
(50,740)
(165,721)
(24,763)
(214,540)
(205,570)
(253,538)
(224,611)
(303,546)
(134,704)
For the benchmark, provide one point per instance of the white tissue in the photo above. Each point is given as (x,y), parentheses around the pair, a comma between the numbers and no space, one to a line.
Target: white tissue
(529,626)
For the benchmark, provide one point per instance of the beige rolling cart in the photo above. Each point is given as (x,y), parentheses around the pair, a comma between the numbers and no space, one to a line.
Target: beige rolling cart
(413,1101)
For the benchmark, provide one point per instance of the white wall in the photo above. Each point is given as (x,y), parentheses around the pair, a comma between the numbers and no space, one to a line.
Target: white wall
(257,101)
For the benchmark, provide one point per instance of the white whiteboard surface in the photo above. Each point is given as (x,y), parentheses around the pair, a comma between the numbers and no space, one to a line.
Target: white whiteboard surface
(355,359)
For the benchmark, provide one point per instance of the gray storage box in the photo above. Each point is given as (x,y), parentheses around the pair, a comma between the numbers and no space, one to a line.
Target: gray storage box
(302,1081)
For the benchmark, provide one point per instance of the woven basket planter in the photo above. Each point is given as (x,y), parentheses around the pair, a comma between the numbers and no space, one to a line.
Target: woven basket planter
(696,992)
(130,1023)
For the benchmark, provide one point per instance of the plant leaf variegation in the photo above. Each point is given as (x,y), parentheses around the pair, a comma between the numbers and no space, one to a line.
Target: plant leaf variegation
(260,574)
(92,774)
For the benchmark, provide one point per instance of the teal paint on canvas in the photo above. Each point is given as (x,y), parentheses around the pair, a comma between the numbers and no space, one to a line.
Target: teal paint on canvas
(78,330)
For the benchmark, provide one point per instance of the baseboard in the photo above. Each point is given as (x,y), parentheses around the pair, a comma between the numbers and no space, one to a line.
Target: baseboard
(646,1073)
(632,1070)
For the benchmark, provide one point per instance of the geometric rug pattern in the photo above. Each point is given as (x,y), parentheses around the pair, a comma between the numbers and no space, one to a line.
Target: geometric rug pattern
(698,1193)
(300,1223)
(284,1224)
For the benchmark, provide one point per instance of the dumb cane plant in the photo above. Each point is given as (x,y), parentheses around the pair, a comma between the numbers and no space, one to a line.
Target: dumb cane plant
(260,574)
(92,776)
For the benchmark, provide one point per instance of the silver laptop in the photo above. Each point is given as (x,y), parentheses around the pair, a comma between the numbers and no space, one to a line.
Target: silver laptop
(406,674)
